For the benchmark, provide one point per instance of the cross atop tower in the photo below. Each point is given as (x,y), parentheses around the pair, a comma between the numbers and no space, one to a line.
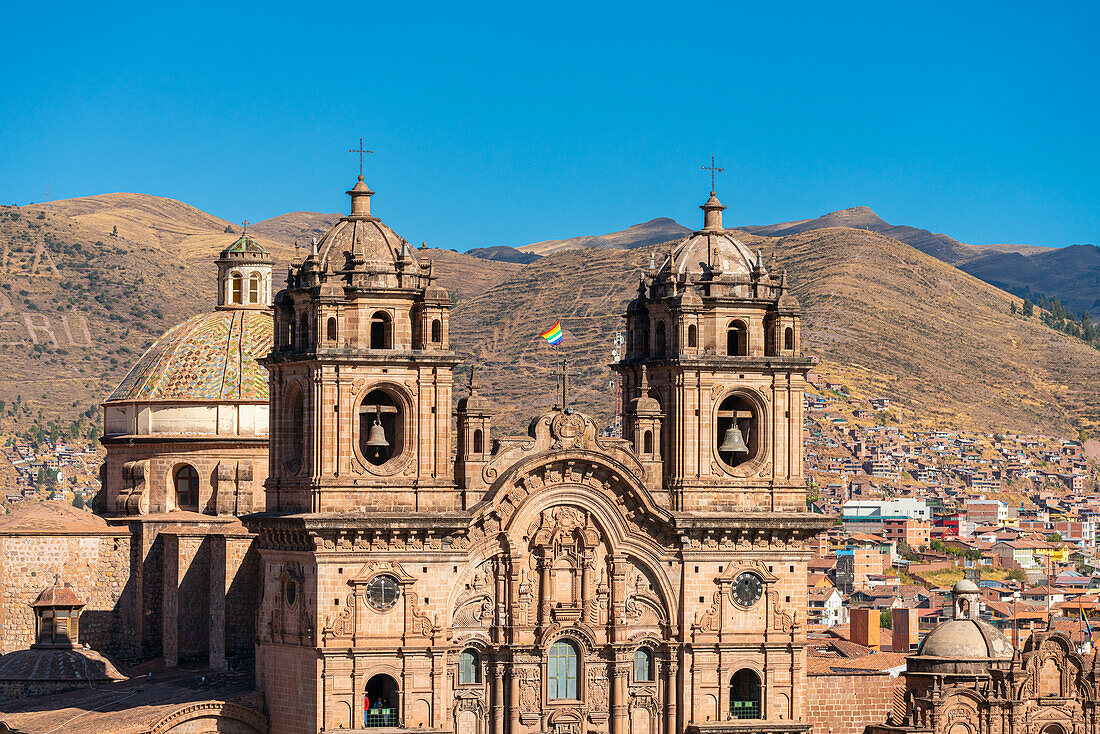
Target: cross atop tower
(713,170)
(360,150)
(244,226)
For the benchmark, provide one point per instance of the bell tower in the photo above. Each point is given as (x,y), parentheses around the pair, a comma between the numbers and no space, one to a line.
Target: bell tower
(361,376)
(713,338)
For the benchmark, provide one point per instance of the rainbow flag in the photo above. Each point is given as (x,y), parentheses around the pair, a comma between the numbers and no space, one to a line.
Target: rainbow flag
(553,334)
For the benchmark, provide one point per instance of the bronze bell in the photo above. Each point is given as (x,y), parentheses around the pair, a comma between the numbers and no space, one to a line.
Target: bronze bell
(376,439)
(733,442)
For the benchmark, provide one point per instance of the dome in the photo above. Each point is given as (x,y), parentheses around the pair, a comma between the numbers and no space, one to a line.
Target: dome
(363,237)
(703,255)
(208,358)
(964,586)
(41,665)
(966,639)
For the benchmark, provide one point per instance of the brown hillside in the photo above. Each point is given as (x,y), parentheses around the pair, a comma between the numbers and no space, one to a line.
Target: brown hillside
(657,230)
(884,317)
(61,274)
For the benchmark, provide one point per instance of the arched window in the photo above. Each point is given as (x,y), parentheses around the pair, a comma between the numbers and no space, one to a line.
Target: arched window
(660,341)
(737,342)
(236,286)
(330,328)
(563,669)
(290,331)
(647,442)
(381,427)
(187,488)
(381,331)
(254,288)
(469,668)
(437,332)
(788,338)
(303,330)
(692,338)
(479,442)
(294,430)
(643,339)
(643,665)
(381,702)
(745,695)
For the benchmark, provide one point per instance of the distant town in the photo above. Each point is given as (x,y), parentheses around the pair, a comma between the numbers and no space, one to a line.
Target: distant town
(916,511)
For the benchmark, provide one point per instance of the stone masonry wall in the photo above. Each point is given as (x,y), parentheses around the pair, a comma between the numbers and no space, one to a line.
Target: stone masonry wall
(839,703)
(95,566)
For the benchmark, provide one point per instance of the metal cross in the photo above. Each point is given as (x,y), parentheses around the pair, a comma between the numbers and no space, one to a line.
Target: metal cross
(360,150)
(244,225)
(713,170)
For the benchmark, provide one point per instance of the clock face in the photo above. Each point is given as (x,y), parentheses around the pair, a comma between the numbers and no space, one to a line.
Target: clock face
(382,592)
(747,589)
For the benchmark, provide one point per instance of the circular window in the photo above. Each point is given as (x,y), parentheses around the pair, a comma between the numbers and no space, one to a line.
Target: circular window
(382,592)
(747,589)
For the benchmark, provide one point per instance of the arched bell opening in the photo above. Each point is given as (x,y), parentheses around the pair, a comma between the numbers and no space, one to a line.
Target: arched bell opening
(330,328)
(745,695)
(381,703)
(381,427)
(737,431)
(303,331)
(788,339)
(437,331)
(381,331)
(737,339)
(693,338)
(659,342)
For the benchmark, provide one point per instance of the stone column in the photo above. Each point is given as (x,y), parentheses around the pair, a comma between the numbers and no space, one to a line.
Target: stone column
(216,648)
(169,607)
(544,587)
(497,710)
(619,704)
(670,696)
(513,700)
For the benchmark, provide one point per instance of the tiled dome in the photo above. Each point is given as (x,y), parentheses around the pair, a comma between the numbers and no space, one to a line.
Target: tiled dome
(210,357)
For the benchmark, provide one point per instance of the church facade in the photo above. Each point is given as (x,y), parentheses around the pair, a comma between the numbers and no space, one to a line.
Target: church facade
(418,572)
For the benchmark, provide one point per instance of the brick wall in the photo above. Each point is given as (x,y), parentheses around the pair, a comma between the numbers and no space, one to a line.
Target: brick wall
(845,703)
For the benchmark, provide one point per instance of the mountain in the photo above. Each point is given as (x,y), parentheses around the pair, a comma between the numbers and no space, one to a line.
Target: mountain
(885,319)
(300,226)
(862,217)
(79,305)
(504,253)
(1072,273)
(652,232)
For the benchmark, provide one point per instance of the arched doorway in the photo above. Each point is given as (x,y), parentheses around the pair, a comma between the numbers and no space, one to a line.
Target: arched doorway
(745,695)
(381,703)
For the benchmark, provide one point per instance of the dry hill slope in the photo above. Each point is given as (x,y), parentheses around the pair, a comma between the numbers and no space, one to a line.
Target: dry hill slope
(657,230)
(883,316)
(78,306)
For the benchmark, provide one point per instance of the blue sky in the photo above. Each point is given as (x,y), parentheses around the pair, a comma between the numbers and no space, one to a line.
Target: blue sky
(511,123)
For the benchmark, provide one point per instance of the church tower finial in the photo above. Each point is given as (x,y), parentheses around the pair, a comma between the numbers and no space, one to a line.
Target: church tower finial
(712,214)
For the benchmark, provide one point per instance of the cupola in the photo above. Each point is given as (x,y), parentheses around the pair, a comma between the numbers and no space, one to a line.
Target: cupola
(244,275)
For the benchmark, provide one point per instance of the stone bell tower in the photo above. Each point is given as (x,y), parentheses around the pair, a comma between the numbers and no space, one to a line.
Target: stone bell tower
(361,376)
(716,337)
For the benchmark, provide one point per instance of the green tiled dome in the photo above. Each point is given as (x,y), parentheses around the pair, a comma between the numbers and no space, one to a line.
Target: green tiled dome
(210,357)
